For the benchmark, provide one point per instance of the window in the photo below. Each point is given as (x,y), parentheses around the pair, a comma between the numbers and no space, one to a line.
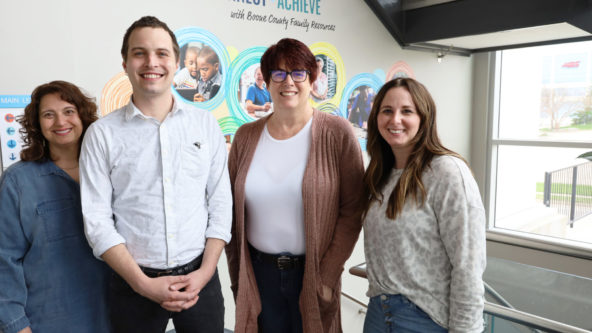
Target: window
(541,123)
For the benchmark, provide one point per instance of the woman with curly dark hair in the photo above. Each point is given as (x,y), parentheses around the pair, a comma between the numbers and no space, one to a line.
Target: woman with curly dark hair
(50,280)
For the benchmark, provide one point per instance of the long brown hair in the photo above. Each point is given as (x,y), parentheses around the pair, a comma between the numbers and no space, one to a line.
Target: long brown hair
(36,147)
(426,145)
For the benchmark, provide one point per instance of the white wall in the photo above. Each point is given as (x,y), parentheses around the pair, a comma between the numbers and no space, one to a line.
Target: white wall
(79,41)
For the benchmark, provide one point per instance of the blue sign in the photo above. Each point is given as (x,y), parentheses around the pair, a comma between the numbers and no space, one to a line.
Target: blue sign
(11,143)
(10,131)
(12,157)
(14,101)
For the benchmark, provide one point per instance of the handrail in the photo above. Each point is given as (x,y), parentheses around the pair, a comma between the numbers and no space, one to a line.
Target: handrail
(530,320)
(501,300)
(504,312)
(497,296)
(355,300)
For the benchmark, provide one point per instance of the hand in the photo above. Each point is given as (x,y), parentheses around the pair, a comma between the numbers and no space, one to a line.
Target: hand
(196,282)
(266,106)
(26,330)
(168,289)
(326,294)
(198,98)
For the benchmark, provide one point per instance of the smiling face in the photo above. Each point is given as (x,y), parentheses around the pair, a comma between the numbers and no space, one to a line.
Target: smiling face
(151,63)
(259,77)
(398,121)
(289,95)
(59,121)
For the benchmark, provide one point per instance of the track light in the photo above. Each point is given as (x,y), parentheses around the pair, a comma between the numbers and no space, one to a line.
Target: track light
(440,57)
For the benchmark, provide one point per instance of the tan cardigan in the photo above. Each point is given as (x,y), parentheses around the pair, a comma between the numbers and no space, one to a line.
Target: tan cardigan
(331,189)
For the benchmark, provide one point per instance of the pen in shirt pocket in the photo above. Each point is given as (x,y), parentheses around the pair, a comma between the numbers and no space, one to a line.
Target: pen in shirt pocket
(197,144)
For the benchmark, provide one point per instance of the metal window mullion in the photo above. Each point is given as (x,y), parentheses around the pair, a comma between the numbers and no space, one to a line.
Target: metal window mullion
(493,96)
(572,210)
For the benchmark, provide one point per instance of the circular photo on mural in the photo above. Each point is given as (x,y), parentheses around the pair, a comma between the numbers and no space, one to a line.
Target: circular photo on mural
(199,76)
(253,94)
(325,86)
(359,105)
(400,69)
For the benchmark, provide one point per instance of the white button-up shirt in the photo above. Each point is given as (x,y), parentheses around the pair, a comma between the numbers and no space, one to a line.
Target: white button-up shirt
(160,188)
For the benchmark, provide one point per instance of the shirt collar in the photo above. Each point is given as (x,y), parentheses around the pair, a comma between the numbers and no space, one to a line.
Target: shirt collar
(132,111)
(49,168)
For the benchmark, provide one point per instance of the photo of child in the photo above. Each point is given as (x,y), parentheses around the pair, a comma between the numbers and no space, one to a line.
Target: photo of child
(358,109)
(325,86)
(187,76)
(360,104)
(210,78)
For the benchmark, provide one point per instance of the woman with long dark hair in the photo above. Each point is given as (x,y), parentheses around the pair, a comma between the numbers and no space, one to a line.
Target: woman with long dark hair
(424,222)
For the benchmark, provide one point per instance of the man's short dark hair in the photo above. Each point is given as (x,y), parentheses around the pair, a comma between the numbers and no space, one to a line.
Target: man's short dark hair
(148,22)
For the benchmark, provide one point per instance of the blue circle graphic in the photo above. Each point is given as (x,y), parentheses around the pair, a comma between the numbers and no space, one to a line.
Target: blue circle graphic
(190,34)
(11,143)
(243,61)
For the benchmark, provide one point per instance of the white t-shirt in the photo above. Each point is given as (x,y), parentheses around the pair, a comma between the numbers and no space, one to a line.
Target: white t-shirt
(273,193)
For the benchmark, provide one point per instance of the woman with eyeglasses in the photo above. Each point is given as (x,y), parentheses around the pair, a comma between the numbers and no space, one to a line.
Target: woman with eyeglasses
(296,177)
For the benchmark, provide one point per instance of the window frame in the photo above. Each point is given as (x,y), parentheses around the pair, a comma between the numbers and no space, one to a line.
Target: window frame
(493,142)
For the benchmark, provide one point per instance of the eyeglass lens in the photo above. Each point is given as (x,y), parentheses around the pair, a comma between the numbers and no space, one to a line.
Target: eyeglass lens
(280,76)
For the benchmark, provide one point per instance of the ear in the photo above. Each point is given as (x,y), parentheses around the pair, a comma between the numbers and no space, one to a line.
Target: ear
(124,66)
(177,65)
(216,66)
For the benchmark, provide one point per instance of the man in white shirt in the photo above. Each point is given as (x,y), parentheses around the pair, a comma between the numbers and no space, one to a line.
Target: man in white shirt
(156,196)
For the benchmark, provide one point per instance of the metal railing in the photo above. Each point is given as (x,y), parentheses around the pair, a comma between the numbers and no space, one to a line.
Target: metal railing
(530,320)
(498,311)
(569,190)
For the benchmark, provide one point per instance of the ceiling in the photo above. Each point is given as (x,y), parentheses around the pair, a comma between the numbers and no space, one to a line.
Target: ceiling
(463,27)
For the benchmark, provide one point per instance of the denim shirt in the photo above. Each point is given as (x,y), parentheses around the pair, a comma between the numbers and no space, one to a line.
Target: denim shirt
(49,278)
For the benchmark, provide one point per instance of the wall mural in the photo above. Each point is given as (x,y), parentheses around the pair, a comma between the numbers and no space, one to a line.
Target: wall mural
(224,89)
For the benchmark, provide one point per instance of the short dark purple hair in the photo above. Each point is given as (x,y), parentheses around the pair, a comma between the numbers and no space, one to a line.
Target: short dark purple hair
(294,54)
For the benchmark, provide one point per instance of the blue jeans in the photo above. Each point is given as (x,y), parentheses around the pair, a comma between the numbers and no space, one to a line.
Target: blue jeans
(279,291)
(396,313)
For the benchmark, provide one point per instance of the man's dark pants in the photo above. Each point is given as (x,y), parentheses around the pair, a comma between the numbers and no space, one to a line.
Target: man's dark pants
(131,312)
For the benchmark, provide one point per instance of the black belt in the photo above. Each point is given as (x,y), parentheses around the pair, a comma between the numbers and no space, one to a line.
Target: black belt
(179,270)
(281,261)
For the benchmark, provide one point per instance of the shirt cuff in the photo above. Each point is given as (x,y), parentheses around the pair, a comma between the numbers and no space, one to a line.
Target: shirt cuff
(16,325)
(218,233)
(103,245)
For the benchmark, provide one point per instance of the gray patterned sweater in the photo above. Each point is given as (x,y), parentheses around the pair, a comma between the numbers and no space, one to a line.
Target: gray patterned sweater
(434,254)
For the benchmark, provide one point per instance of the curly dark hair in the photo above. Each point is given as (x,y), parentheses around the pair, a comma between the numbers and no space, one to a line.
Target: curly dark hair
(35,144)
